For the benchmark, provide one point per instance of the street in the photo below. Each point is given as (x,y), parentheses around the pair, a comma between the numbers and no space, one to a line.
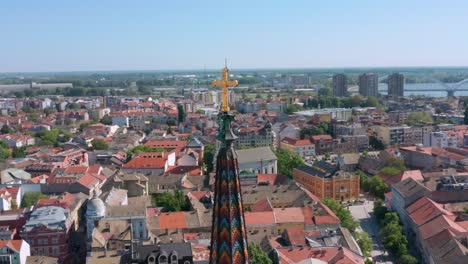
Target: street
(364,214)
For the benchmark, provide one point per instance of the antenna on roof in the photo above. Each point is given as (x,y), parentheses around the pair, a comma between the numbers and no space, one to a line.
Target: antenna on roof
(225,62)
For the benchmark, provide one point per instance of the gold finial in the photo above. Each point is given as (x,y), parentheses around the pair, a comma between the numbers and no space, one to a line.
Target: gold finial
(224,83)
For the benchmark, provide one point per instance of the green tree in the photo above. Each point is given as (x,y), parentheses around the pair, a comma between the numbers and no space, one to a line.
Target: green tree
(143,148)
(106,120)
(27,109)
(377,187)
(52,137)
(31,198)
(5,153)
(407,259)
(287,161)
(74,106)
(6,129)
(372,101)
(364,242)
(181,113)
(292,108)
(419,117)
(19,152)
(208,156)
(325,92)
(172,202)
(171,122)
(380,209)
(376,143)
(257,256)
(344,215)
(50,111)
(99,144)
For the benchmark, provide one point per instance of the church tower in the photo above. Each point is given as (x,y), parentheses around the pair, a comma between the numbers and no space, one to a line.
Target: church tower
(228,233)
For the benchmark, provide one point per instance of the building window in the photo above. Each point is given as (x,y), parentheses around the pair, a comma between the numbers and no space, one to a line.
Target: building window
(55,251)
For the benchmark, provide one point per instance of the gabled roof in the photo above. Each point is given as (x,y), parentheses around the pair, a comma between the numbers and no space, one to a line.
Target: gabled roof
(332,255)
(424,210)
(14,245)
(409,187)
(259,218)
(172,220)
(263,205)
(433,227)
(289,215)
(255,155)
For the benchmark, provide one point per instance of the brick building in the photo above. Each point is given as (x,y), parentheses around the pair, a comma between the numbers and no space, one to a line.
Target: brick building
(326,181)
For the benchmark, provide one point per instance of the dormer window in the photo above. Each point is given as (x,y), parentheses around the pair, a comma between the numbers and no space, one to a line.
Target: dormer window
(163,259)
(174,259)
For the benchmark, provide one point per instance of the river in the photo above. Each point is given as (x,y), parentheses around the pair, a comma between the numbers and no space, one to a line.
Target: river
(428,87)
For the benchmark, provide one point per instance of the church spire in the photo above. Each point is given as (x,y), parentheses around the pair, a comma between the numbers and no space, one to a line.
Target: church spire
(228,233)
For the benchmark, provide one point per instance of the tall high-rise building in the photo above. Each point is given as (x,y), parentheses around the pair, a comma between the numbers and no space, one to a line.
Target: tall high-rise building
(340,85)
(368,84)
(228,233)
(396,84)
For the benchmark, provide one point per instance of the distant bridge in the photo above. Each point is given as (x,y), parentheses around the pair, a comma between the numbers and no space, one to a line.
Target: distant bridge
(442,87)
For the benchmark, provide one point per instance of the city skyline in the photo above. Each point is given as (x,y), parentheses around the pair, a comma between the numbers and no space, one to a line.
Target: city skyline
(52,36)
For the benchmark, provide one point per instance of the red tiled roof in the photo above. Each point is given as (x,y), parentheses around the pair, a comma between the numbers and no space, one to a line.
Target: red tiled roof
(339,255)
(145,162)
(414,174)
(190,170)
(12,244)
(89,180)
(259,218)
(296,236)
(433,227)
(262,206)
(424,210)
(76,170)
(289,215)
(200,194)
(166,144)
(321,137)
(172,220)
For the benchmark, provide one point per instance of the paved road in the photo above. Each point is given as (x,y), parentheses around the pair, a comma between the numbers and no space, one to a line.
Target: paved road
(364,213)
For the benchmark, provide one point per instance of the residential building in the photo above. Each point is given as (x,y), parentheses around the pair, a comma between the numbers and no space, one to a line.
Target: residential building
(323,144)
(17,141)
(405,193)
(14,176)
(14,251)
(444,139)
(340,85)
(256,137)
(368,84)
(339,114)
(326,181)
(150,163)
(304,148)
(396,83)
(48,232)
(399,135)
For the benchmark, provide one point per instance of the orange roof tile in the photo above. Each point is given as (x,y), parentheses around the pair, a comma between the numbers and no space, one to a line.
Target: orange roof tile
(259,218)
(424,210)
(172,220)
(433,227)
(289,215)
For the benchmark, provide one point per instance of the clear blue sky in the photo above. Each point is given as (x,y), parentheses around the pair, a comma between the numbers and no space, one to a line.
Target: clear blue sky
(43,35)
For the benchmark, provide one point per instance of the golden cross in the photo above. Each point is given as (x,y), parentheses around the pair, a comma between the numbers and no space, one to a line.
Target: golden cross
(224,83)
